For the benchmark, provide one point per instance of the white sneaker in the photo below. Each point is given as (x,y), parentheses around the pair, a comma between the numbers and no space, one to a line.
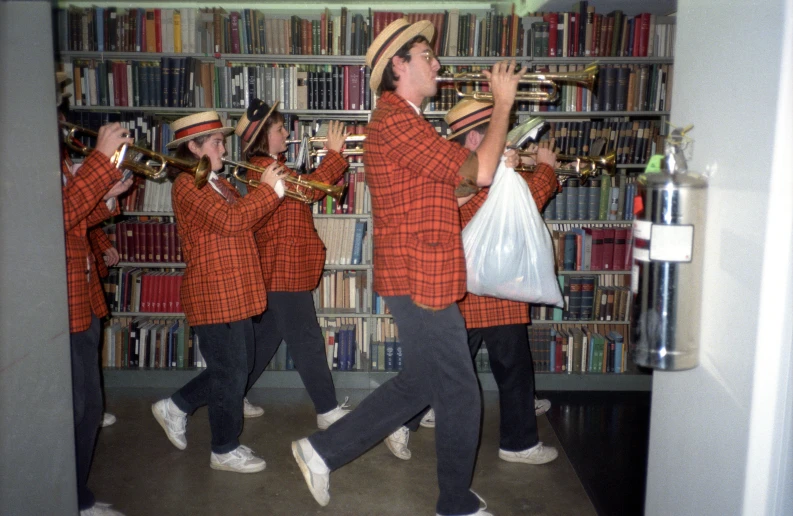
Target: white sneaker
(172,420)
(537,454)
(480,512)
(330,417)
(239,460)
(315,471)
(398,443)
(541,406)
(100,509)
(107,419)
(249,410)
(428,421)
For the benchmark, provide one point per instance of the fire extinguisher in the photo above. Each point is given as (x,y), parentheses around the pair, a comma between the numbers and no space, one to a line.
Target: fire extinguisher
(668,240)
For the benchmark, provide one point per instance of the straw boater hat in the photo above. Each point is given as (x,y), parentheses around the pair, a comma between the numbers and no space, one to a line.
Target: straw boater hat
(252,121)
(467,114)
(200,124)
(386,44)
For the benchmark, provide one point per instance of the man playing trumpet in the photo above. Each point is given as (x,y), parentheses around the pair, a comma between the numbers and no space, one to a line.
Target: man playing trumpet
(415,177)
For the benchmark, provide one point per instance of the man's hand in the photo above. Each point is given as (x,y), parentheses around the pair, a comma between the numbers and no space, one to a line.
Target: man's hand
(336,136)
(111,256)
(111,137)
(504,81)
(118,189)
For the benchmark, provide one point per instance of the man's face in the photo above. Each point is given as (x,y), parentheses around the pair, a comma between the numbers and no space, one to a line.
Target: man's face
(422,69)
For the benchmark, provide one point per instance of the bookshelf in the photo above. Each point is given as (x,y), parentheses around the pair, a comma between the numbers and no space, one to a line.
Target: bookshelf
(246,67)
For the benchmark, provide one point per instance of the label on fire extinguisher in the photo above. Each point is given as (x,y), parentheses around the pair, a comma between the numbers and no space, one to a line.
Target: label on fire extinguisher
(671,243)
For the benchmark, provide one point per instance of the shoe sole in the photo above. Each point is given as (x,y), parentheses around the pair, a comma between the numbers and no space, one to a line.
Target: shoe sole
(223,467)
(164,426)
(251,416)
(301,463)
(524,461)
(396,454)
(427,424)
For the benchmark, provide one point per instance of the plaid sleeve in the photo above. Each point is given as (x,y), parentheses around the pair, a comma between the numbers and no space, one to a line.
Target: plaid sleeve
(101,213)
(84,191)
(418,147)
(329,171)
(219,216)
(542,184)
(100,242)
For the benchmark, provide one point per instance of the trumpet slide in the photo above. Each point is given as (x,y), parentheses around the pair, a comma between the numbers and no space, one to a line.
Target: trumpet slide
(155,164)
(298,184)
(585,77)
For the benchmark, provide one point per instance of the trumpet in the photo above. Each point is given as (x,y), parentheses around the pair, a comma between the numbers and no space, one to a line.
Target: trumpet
(334,191)
(606,163)
(154,167)
(585,77)
(352,138)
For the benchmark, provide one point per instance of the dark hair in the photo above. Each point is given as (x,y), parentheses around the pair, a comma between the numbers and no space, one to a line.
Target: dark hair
(389,79)
(460,138)
(261,146)
(183,152)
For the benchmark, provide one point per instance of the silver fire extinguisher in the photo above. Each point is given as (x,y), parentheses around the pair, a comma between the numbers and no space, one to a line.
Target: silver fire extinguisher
(668,239)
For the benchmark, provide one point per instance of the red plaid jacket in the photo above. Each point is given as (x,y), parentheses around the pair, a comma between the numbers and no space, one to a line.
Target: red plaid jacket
(99,242)
(483,311)
(291,252)
(83,208)
(223,279)
(412,173)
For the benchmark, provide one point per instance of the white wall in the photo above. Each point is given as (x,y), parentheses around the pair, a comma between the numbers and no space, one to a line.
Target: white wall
(720,433)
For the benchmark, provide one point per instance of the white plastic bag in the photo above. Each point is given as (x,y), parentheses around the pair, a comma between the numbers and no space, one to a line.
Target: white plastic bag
(508,250)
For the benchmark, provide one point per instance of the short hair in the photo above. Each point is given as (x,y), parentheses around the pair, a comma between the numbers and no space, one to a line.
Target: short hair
(261,145)
(460,138)
(389,79)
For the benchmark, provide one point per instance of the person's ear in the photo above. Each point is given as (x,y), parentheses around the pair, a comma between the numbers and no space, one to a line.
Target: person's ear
(194,147)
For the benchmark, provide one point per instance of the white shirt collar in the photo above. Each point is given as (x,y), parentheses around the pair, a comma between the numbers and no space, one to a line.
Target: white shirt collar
(415,107)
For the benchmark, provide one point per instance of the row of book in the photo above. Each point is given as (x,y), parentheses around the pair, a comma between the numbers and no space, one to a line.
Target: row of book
(632,142)
(585,349)
(599,198)
(146,241)
(385,350)
(341,347)
(248,31)
(150,343)
(342,291)
(634,87)
(588,298)
(345,240)
(585,33)
(132,289)
(593,249)
(356,201)
(148,195)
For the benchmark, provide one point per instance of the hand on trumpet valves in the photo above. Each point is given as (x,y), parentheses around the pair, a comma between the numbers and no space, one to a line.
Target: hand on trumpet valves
(273,174)
(111,137)
(504,81)
(336,136)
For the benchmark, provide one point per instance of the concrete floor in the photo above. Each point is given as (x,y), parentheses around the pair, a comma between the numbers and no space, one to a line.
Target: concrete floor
(141,473)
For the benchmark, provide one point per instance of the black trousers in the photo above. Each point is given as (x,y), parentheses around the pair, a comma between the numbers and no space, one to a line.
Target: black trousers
(437,371)
(87,403)
(513,369)
(228,351)
(291,316)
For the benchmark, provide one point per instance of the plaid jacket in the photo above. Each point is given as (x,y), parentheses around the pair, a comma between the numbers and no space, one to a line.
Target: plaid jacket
(223,279)
(291,252)
(412,173)
(99,242)
(83,208)
(483,311)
